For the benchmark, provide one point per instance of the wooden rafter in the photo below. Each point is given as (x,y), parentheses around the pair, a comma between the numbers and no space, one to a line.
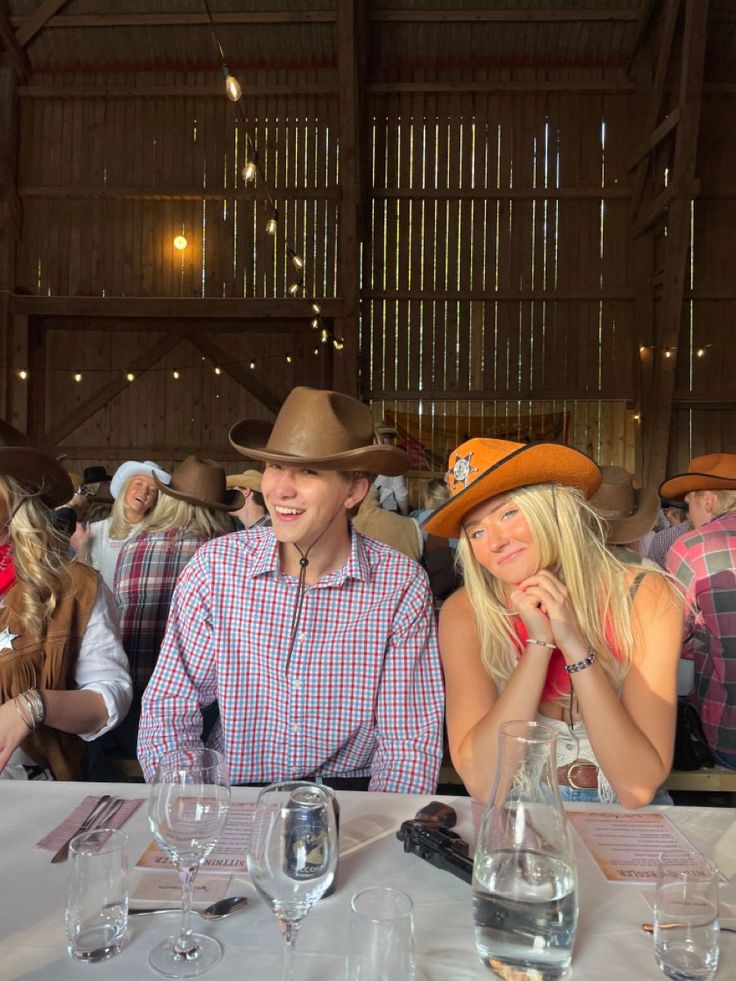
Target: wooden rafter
(37,20)
(18,57)
(250,382)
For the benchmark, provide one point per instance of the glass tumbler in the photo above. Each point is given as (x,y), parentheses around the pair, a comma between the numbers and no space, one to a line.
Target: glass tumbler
(686,929)
(97,894)
(381,936)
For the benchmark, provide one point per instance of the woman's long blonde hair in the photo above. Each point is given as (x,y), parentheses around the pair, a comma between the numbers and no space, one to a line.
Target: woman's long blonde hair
(192,519)
(570,539)
(120,528)
(40,555)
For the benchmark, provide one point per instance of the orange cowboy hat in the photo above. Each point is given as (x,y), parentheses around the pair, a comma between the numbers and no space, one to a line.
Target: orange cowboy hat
(629,512)
(714,471)
(482,468)
(321,429)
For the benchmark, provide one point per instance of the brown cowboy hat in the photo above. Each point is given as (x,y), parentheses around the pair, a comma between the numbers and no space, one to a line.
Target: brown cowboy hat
(321,429)
(629,512)
(482,468)
(201,482)
(714,471)
(33,468)
(248,478)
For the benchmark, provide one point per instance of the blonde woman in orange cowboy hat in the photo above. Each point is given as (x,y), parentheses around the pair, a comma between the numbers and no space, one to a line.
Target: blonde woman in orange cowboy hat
(551,626)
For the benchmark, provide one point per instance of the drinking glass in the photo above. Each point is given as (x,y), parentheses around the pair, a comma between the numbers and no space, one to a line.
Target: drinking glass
(97,894)
(293,854)
(381,936)
(686,916)
(187,810)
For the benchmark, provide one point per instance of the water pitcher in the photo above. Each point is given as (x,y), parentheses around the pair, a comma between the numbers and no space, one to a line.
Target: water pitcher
(524,878)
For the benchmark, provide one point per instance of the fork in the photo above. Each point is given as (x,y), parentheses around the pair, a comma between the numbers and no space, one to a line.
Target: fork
(105,808)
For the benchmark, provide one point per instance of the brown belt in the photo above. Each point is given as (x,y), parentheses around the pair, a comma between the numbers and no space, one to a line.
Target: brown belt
(580,775)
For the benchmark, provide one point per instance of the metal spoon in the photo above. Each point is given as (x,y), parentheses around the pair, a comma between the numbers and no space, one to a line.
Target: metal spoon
(649,927)
(215,911)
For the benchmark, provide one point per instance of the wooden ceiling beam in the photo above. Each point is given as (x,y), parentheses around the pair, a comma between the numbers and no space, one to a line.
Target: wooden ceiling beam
(17,56)
(37,20)
(518,16)
(197,308)
(176,20)
(171,325)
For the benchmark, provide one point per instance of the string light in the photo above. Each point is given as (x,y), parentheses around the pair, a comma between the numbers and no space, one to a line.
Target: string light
(295,287)
(668,352)
(23,374)
(315,323)
(296,260)
(316,350)
(316,308)
(637,416)
(252,366)
(250,170)
(77,376)
(338,343)
(272,223)
(324,335)
(288,359)
(180,243)
(175,375)
(218,371)
(700,352)
(232,85)
(130,376)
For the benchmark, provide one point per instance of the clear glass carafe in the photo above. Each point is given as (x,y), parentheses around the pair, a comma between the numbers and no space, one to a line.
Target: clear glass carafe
(525,902)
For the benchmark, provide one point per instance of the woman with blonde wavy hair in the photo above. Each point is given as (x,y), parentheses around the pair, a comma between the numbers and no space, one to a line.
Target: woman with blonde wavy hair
(551,626)
(134,491)
(63,673)
(193,508)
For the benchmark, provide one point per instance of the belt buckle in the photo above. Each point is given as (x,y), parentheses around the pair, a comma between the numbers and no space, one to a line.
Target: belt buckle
(570,778)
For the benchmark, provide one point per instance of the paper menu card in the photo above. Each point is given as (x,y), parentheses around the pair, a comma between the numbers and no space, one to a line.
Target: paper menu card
(626,846)
(229,855)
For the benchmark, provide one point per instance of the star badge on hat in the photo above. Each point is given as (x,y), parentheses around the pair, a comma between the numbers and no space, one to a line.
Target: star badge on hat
(462,470)
(6,640)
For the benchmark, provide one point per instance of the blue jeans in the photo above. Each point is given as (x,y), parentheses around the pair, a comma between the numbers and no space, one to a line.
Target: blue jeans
(591,795)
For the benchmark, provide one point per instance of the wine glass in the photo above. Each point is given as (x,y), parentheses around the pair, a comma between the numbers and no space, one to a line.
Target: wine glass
(293,853)
(187,810)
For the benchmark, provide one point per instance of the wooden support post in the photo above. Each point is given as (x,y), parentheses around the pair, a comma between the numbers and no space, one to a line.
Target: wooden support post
(348,60)
(9,218)
(657,411)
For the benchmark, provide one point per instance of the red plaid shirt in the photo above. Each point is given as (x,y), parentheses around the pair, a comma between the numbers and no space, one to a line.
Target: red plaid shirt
(363,693)
(704,561)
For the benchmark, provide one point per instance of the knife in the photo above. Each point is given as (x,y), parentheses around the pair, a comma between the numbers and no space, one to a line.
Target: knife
(62,853)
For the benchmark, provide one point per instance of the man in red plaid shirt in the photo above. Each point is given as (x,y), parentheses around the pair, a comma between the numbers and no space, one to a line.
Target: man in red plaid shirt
(317,643)
(704,562)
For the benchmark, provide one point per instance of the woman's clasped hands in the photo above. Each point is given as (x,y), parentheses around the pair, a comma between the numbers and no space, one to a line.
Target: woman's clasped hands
(544,606)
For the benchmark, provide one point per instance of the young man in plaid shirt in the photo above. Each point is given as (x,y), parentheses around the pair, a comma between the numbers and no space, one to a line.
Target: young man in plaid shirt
(317,643)
(704,562)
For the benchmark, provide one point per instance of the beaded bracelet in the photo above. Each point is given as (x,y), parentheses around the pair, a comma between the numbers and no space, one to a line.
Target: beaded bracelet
(581,665)
(541,643)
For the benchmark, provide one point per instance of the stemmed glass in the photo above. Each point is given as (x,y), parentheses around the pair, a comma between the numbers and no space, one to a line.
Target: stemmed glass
(187,810)
(293,854)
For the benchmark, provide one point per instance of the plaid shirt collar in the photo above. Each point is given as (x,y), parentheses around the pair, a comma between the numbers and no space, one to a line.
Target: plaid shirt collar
(265,560)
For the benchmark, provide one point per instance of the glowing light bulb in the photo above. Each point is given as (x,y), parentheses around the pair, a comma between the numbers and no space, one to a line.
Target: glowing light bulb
(315,323)
(180,243)
(252,366)
(338,343)
(700,352)
(249,172)
(668,353)
(232,87)
(23,374)
(130,376)
(317,308)
(272,223)
(218,371)
(175,374)
(288,359)
(324,335)
(77,376)
(295,287)
(316,350)
(296,260)
(637,416)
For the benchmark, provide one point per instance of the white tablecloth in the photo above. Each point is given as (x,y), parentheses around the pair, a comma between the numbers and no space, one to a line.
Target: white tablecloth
(609,943)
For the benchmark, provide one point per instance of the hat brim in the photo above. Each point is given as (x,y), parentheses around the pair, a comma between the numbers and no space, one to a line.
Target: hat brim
(685,483)
(621,531)
(377,458)
(535,463)
(40,472)
(233,499)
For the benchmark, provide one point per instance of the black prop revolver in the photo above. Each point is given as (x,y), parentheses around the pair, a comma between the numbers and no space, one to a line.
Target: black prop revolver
(428,835)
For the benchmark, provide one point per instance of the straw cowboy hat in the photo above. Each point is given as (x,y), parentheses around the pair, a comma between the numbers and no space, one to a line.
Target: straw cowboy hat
(482,468)
(714,471)
(629,512)
(33,468)
(132,468)
(321,429)
(248,478)
(201,482)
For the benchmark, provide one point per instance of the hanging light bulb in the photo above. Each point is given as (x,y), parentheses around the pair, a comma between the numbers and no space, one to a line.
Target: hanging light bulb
(668,353)
(130,376)
(250,170)
(315,323)
(23,374)
(252,366)
(316,308)
(218,371)
(180,243)
(295,287)
(77,376)
(316,350)
(296,260)
(288,359)
(232,85)
(175,375)
(272,223)
(338,343)
(324,335)
(700,352)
